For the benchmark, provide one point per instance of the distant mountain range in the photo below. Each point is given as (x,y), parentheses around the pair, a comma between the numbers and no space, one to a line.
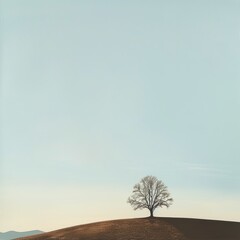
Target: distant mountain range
(12,234)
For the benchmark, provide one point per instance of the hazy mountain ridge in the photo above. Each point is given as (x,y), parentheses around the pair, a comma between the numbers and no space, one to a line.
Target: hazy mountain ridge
(13,234)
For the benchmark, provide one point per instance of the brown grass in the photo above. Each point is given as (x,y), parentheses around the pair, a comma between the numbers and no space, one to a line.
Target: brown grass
(147,229)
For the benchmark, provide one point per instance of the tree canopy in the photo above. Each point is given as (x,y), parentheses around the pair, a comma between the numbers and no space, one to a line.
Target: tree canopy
(150,193)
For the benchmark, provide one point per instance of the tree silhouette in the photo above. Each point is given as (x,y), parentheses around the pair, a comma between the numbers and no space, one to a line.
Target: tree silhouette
(150,193)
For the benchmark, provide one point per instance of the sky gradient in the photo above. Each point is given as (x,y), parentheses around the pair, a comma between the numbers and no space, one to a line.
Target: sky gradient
(97,94)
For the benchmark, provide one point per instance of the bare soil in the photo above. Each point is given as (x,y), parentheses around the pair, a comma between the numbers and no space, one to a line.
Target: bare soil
(147,229)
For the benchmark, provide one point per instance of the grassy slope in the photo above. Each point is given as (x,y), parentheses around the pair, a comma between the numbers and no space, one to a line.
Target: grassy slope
(148,229)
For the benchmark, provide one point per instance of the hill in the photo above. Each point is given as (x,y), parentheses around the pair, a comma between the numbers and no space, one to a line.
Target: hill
(147,229)
(13,234)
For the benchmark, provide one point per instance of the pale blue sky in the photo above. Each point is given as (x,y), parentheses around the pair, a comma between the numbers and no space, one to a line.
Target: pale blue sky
(97,94)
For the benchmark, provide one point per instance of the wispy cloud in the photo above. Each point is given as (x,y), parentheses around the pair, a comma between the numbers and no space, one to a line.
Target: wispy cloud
(208,169)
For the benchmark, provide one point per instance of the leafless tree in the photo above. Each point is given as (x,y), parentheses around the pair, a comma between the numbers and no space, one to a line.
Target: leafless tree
(150,193)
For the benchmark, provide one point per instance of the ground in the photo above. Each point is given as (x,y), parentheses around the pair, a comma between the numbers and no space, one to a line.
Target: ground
(147,229)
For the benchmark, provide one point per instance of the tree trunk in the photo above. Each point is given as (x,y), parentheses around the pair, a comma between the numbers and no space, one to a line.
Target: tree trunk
(151,212)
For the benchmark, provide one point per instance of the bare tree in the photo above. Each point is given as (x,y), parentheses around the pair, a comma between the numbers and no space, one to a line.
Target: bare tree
(150,193)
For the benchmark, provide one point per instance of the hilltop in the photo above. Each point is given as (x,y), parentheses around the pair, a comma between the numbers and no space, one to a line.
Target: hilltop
(147,229)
